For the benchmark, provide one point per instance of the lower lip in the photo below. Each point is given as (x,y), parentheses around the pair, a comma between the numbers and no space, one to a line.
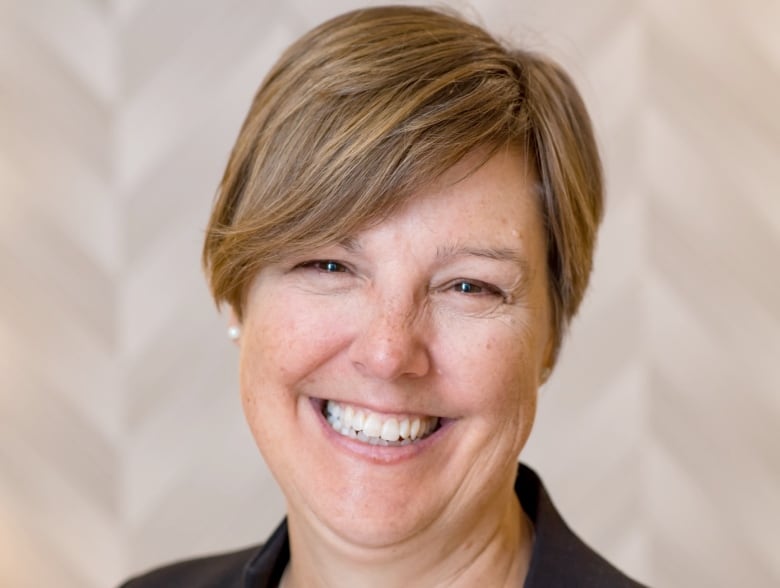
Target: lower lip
(379,454)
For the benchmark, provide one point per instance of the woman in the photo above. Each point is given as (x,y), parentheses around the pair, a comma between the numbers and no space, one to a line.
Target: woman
(403,232)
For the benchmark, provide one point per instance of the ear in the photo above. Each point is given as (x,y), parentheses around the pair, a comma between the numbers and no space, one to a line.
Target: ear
(234,326)
(550,357)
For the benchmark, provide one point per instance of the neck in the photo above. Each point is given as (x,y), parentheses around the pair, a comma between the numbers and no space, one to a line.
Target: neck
(493,548)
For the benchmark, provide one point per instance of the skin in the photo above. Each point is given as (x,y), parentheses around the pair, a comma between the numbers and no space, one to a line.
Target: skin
(441,309)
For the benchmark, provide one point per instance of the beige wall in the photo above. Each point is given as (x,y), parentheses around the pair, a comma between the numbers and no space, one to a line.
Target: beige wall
(121,440)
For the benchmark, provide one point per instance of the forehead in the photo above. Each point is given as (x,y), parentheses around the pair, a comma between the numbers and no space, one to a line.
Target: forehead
(484,206)
(498,189)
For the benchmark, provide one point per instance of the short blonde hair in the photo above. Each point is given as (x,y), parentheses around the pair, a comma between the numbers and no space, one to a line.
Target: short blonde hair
(374,104)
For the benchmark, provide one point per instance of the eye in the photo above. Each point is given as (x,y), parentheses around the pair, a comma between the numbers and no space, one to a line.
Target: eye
(467,288)
(327,266)
(474,288)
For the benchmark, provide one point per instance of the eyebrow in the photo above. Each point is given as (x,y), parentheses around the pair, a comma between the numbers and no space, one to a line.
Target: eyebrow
(496,253)
(351,244)
(444,253)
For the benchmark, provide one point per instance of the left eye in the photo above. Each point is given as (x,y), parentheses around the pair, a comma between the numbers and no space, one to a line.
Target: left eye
(325,266)
(469,287)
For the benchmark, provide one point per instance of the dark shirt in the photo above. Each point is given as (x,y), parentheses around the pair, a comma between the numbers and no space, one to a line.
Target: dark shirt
(559,558)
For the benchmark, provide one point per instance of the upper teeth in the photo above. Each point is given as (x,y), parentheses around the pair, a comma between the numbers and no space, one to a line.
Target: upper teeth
(371,427)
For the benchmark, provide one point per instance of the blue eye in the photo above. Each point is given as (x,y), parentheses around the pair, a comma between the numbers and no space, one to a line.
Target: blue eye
(468,288)
(474,288)
(326,266)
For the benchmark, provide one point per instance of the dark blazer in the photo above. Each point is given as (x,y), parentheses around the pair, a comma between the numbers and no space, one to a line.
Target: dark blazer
(559,558)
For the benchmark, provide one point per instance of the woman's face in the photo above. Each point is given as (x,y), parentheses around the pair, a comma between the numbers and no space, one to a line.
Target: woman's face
(422,340)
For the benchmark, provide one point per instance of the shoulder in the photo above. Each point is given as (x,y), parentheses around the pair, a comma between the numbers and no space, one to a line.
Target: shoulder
(560,557)
(225,570)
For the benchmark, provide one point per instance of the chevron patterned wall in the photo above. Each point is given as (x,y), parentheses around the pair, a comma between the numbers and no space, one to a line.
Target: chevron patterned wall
(121,439)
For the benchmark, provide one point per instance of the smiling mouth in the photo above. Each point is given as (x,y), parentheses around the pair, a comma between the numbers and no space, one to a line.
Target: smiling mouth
(373,428)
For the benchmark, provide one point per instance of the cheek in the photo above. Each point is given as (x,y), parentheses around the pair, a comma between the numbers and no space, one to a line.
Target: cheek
(284,343)
(494,375)
(510,395)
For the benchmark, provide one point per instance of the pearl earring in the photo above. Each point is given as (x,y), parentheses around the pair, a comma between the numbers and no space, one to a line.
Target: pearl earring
(234,333)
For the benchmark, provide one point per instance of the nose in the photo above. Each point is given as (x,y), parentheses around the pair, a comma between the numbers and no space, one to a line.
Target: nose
(391,342)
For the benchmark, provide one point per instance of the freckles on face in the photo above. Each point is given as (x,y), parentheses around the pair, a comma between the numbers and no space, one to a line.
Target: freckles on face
(280,328)
(490,375)
(430,316)
(496,372)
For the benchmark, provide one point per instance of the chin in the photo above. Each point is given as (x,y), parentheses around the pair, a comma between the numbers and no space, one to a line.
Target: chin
(376,522)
